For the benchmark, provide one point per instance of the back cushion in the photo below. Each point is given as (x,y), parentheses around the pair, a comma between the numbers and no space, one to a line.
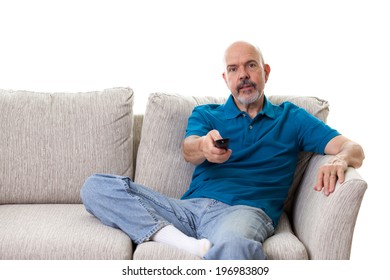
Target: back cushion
(160,164)
(51,142)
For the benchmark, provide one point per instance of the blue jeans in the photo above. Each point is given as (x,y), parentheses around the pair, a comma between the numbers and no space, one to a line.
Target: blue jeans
(236,232)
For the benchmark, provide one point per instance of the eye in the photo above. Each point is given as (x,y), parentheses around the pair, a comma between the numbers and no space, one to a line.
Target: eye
(252,65)
(232,69)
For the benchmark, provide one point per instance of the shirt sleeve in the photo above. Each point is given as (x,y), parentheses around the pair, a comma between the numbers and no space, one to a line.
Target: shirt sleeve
(197,123)
(313,133)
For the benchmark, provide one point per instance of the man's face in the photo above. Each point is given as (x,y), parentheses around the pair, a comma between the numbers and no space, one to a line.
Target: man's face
(245,73)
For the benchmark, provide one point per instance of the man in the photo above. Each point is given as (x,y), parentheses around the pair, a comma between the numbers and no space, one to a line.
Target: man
(236,196)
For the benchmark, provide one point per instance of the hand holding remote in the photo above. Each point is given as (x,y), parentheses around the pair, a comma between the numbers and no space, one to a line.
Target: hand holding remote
(215,148)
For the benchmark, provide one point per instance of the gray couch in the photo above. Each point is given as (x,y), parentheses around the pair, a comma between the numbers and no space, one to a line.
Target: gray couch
(51,142)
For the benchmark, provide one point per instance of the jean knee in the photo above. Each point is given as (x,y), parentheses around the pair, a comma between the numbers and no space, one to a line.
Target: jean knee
(89,193)
(247,223)
(99,189)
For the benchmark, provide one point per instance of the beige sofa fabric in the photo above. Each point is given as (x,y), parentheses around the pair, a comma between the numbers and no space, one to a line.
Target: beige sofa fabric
(284,245)
(58,231)
(51,142)
(159,251)
(326,224)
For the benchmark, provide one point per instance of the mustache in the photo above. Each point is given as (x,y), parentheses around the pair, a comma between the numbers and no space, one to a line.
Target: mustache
(244,83)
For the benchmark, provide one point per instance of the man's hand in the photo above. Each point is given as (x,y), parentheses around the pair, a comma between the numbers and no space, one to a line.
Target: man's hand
(197,149)
(212,153)
(346,153)
(329,174)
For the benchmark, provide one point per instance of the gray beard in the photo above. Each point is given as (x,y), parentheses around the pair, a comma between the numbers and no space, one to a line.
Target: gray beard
(245,101)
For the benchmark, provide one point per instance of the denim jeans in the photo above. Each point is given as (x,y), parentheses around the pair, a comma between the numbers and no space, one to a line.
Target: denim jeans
(236,232)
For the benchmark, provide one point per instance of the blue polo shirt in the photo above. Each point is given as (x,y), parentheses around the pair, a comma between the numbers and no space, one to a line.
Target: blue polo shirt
(264,153)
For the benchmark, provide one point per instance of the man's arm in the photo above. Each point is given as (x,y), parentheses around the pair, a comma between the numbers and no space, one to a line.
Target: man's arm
(346,153)
(196,149)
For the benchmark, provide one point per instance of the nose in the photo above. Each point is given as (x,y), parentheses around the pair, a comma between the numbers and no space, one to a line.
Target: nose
(243,74)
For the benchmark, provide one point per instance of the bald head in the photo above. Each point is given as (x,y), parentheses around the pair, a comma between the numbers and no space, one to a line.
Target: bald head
(240,47)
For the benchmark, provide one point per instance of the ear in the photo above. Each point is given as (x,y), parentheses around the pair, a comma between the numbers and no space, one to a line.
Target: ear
(225,78)
(267,70)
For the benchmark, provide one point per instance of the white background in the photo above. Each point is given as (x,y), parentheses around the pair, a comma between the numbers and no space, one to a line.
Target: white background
(336,50)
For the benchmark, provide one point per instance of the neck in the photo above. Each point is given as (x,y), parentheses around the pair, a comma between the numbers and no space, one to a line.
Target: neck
(251,109)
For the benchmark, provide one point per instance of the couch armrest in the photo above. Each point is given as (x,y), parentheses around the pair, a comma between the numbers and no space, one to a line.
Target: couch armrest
(325,225)
(284,245)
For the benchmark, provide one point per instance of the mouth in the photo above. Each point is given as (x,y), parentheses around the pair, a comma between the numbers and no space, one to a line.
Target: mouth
(246,85)
(245,88)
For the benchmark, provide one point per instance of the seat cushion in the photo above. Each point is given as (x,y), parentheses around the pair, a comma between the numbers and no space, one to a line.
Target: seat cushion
(58,231)
(51,142)
(284,245)
(159,251)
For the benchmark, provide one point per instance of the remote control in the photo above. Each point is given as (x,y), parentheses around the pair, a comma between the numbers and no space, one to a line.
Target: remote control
(222,143)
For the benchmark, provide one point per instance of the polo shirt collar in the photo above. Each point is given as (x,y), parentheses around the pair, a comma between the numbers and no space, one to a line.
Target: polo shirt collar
(232,111)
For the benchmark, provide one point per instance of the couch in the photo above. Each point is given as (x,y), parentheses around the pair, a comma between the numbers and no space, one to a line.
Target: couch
(51,142)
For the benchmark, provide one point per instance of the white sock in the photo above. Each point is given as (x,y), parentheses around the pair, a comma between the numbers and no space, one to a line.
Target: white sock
(174,237)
